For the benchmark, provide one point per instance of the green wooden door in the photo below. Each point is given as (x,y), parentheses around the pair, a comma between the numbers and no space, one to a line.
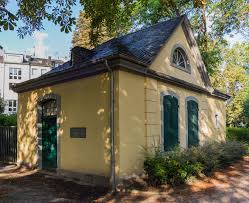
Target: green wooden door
(49,142)
(170,105)
(193,128)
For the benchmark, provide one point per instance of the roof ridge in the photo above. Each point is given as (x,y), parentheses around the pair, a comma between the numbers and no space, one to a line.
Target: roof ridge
(140,30)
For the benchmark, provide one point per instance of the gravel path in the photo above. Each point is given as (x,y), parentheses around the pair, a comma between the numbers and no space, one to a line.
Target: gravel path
(20,185)
(230,185)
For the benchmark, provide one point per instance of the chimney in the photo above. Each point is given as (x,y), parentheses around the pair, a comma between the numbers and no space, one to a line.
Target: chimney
(78,54)
(50,58)
(1,54)
(1,51)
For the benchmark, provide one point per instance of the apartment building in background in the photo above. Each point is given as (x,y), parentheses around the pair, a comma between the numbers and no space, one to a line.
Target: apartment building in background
(16,68)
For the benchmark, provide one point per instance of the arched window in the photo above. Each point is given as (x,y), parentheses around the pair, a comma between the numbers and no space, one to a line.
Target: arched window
(49,108)
(179,59)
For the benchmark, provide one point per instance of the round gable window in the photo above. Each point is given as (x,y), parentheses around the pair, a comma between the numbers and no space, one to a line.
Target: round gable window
(180,59)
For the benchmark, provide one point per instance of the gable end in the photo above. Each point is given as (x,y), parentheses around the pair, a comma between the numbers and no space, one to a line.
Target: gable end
(194,48)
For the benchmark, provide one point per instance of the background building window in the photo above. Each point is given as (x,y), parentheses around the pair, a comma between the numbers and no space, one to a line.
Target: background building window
(12,106)
(15,73)
(11,85)
(34,71)
(43,71)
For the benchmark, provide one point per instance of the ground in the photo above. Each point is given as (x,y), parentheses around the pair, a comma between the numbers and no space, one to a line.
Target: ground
(227,185)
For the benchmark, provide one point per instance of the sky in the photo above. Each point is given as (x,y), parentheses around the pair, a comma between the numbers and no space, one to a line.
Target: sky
(50,41)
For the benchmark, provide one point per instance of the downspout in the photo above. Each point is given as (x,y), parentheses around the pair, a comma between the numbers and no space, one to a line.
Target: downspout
(112,102)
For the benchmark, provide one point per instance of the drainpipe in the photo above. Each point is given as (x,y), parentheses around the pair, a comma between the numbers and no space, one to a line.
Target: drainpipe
(112,171)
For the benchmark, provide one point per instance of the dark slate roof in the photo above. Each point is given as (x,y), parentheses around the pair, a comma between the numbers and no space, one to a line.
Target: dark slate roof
(142,45)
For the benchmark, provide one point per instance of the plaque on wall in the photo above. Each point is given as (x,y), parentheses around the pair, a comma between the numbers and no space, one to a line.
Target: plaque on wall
(78,132)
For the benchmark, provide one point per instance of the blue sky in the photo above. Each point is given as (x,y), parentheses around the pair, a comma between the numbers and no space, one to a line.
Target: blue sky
(50,41)
(47,42)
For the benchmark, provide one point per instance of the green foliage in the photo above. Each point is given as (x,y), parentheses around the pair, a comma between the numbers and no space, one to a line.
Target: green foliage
(177,166)
(81,35)
(119,16)
(31,14)
(2,105)
(245,113)
(238,55)
(8,120)
(238,134)
(115,15)
(234,80)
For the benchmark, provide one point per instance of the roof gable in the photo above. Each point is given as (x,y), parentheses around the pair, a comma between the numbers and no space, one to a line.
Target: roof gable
(142,45)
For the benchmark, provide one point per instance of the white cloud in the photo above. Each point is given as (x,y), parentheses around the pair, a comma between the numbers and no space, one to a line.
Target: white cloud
(40,49)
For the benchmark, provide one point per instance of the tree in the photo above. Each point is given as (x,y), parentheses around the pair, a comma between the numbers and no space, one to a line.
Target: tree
(233,79)
(81,35)
(246,110)
(31,14)
(2,105)
(211,20)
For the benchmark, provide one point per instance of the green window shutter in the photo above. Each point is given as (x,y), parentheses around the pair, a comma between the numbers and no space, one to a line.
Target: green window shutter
(193,120)
(170,106)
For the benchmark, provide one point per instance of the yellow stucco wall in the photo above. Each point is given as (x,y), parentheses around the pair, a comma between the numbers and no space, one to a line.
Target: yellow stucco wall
(140,118)
(208,107)
(162,62)
(84,103)
(131,122)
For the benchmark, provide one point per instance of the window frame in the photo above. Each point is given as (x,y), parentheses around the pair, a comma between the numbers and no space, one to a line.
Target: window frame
(11,84)
(162,95)
(187,62)
(43,71)
(217,120)
(12,107)
(15,72)
(33,71)
(192,98)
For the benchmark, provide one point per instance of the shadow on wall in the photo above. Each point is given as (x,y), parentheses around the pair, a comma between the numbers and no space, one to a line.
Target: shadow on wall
(27,127)
(84,103)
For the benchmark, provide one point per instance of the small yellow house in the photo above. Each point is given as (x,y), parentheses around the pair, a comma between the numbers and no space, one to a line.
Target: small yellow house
(98,114)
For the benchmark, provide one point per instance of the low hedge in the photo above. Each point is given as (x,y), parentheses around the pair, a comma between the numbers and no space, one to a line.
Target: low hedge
(8,120)
(177,166)
(238,134)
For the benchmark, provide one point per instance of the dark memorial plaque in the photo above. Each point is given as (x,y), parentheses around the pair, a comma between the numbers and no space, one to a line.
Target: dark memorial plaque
(78,132)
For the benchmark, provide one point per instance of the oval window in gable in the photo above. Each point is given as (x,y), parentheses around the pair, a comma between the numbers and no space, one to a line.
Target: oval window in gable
(180,59)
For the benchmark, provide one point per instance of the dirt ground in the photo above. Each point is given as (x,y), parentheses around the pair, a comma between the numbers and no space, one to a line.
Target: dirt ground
(20,185)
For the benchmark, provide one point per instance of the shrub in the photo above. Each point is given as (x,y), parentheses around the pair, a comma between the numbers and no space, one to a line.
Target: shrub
(8,120)
(238,134)
(178,165)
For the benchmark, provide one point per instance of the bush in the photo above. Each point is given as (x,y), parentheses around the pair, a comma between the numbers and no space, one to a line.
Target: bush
(177,166)
(238,134)
(8,120)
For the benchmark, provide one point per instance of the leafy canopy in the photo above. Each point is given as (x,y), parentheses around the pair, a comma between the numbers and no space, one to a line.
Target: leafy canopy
(233,79)
(31,14)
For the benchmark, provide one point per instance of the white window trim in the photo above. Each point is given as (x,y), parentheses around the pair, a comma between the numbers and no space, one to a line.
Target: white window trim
(12,107)
(14,72)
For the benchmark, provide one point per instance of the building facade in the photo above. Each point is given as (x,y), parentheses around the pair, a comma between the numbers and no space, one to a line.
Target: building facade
(16,68)
(103,111)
